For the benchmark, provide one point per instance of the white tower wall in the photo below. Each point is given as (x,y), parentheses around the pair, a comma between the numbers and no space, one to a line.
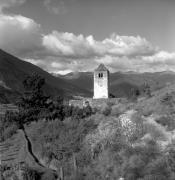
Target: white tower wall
(101,84)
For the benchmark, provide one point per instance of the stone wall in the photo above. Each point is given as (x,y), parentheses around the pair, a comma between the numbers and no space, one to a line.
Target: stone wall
(95,102)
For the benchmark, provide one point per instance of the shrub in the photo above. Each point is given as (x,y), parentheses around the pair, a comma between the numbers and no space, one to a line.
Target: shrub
(48,175)
(118,109)
(30,174)
(107,166)
(68,111)
(167,121)
(8,174)
(156,131)
(133,167)
(83,157)
(141,162)
(158,168)
(105,109)
(168,99)
(87,111)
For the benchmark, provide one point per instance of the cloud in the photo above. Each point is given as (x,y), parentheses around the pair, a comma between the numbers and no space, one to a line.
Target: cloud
(128,46)
(70,45)
(19,35)
(8,3)
(55,6)
(160,61)
(62,52)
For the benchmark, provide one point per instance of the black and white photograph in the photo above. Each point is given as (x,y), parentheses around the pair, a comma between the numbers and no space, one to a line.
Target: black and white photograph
(87,89)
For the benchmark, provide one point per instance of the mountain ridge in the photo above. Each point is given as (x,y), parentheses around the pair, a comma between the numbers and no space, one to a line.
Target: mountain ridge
(121,83)
(14,70)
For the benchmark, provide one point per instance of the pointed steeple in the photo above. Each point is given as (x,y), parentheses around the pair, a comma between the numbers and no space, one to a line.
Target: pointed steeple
(101,67)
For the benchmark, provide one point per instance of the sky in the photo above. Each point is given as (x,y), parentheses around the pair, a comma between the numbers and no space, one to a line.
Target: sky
(63,36)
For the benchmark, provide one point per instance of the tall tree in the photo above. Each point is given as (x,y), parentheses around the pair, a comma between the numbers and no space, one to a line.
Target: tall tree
(33,101)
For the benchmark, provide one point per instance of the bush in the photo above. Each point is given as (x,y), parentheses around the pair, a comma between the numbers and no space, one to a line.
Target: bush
(30,174)
(87,111)
(143,162)
(83,157)
(106,110)
(118,109)
(156,131)
(158,168)
(167,121)
(48,175)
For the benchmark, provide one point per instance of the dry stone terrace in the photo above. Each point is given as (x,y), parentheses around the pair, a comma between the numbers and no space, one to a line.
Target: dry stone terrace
(95,102)
(7,107)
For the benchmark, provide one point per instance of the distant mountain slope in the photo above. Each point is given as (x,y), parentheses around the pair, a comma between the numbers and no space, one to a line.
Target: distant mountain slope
(122,83)
(80,79)
(13,71)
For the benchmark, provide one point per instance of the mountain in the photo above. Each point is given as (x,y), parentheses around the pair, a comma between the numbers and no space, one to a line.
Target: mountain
(13,71)
(121,83)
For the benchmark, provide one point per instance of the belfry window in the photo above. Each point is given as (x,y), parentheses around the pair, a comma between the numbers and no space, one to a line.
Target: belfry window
(100,75)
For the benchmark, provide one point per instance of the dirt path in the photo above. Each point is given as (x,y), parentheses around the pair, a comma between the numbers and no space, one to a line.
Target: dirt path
(29,148)
(19,149)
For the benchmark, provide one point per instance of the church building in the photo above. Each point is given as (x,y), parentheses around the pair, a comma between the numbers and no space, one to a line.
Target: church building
(101,82)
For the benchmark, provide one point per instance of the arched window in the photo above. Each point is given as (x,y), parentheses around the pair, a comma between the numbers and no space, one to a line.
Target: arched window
(100,75)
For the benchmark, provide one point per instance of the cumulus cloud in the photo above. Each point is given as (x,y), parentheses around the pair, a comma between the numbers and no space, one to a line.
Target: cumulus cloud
(124,53)
(159,61)
(62,52)
(68,44)
(19,35)
(128,46)
(8,3)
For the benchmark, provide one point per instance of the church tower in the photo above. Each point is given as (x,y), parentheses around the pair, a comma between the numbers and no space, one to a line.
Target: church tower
(101,82)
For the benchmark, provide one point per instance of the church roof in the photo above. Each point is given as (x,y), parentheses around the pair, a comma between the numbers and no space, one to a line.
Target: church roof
(101,67)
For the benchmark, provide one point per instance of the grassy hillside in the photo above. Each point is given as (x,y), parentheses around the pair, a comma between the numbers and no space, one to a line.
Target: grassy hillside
(116,142)
(130,140)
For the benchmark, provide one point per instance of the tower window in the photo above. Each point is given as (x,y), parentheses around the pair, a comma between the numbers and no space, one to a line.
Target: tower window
(100,75)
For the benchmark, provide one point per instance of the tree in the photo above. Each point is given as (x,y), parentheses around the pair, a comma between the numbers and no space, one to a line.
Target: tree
(33,96)
(33,101)
(134,93)
(146,89)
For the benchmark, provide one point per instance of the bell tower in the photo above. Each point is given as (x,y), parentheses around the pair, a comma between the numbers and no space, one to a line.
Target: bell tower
(101,82)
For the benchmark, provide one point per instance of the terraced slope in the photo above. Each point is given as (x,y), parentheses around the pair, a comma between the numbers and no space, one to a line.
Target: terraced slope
(10,150)
(7,107)
(16,150)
